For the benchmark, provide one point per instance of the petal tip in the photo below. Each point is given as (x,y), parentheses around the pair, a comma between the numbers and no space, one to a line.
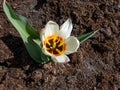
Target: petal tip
(61,59)
(70,20)
(66,28)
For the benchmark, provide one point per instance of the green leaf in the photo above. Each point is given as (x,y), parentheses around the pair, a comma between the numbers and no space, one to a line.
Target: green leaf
(84,37)
(29,35)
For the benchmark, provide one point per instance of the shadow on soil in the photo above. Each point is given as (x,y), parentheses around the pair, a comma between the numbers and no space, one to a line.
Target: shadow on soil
(21,57)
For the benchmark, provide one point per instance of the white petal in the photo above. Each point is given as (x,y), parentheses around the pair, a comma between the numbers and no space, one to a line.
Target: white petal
(61,59)
(45,52)
(42,35)
(72,44)
(51,28)
(66,28)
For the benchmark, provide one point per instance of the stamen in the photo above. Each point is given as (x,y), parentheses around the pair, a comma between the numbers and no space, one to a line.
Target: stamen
(55,45)
(55,38)
(58,51)
(61,44)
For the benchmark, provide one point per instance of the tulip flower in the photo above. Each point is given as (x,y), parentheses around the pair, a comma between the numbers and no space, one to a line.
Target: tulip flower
(54,43)
(57,41)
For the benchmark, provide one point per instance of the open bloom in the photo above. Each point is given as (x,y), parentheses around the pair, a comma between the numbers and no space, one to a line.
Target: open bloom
(57,41)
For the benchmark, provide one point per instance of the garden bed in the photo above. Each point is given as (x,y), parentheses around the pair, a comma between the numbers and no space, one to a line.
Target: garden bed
(95,66)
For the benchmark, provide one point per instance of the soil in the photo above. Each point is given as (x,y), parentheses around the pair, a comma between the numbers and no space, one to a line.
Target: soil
(95,66)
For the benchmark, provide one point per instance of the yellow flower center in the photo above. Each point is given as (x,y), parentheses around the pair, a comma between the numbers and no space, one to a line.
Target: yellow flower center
(55,45)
